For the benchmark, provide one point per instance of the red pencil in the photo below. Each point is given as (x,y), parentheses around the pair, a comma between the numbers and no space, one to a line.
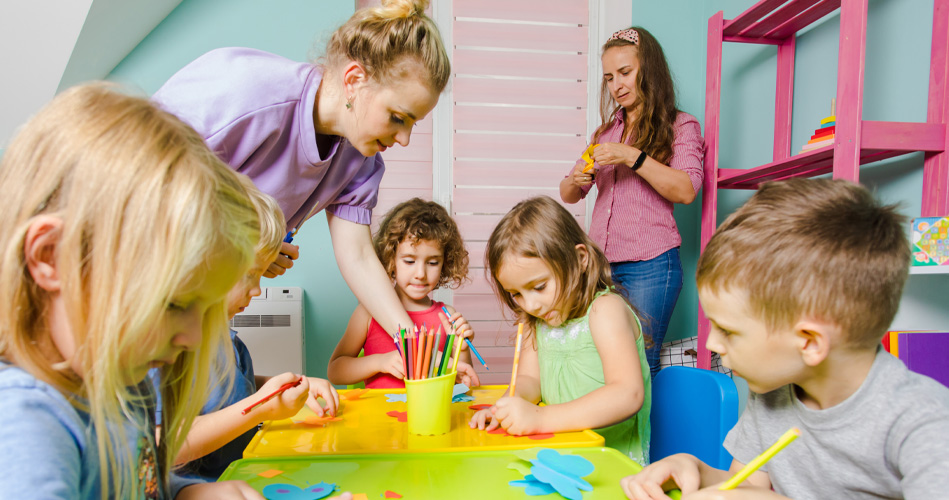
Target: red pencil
(271,395)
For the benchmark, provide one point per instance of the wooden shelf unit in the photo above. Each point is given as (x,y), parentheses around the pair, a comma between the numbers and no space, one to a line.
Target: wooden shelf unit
(856,141)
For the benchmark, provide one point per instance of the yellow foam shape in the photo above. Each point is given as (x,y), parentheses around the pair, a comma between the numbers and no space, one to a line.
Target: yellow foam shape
(586,157)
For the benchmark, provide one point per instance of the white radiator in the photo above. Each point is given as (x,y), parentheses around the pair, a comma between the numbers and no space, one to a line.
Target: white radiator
(272,328)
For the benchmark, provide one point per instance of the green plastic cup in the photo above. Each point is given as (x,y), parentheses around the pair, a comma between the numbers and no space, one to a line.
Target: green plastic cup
(429,404)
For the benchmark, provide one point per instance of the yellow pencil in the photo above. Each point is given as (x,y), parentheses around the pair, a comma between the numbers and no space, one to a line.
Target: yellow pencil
(761,459)
(517,357)
(457,350)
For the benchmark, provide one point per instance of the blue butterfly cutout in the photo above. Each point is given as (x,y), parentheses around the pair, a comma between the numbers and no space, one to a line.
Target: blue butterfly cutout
(280,491)
(553,472)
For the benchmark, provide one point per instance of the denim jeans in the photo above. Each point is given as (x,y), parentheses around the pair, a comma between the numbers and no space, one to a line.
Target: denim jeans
(652,286)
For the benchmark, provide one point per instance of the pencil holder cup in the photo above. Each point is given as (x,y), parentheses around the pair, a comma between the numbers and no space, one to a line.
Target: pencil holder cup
(429,404)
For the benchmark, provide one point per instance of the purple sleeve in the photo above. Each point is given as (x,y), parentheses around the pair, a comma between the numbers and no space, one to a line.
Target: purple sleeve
(359,197)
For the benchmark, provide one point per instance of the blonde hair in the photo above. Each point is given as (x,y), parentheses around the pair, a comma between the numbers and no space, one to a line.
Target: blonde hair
(143,204)
(390,42)
(272,222)
(416,220)
(817,247)
(541,228)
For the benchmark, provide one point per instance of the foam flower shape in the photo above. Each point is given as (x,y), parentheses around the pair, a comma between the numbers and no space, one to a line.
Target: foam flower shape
(280,491)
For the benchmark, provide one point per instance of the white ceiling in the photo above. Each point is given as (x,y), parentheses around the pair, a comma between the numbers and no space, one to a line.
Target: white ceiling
(48,45)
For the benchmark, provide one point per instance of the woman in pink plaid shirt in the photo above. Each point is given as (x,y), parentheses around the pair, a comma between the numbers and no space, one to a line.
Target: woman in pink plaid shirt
(647,155)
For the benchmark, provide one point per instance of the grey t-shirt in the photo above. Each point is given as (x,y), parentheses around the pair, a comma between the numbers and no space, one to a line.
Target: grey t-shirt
(889,439)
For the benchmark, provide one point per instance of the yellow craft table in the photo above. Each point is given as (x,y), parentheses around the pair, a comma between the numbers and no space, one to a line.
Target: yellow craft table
(472,474)
(364,426)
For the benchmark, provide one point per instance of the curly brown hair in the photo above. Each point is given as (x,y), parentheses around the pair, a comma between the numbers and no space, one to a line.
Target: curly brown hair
(416,220)
(653,125)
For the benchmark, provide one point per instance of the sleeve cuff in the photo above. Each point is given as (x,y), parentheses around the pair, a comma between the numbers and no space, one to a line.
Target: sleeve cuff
(359,215)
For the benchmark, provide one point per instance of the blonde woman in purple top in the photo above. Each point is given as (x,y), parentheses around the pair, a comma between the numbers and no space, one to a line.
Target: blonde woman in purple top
(648,157)
(310,135)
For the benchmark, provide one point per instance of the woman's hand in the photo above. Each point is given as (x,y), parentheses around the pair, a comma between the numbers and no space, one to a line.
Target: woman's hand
(288,253)
(614,153)
(580,178)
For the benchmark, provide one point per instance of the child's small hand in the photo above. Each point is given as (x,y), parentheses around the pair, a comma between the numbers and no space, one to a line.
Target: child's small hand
(391,363)
(518,416)
(483,420)
(285,404)
(322,388)
(466,375)
(459,324)
(236,490)
(676,471)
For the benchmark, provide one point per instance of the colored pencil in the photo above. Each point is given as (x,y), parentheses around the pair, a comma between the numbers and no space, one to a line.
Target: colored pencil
(415,357)
(517,357)
(445,354)
(402,349)
(271,395)
(410,358)
(761,459)
(437,338)
(427,354)
(456,350)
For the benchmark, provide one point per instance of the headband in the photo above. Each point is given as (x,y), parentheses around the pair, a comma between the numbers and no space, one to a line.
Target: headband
(630,35)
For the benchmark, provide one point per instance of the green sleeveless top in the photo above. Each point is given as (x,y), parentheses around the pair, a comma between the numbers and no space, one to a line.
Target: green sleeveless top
(570,367)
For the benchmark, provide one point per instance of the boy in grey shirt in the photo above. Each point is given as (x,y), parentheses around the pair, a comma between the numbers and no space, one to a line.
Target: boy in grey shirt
(800,285)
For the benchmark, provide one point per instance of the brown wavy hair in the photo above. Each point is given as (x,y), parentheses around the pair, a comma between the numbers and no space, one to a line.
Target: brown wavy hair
(656,104)
(541,228)
(416,220)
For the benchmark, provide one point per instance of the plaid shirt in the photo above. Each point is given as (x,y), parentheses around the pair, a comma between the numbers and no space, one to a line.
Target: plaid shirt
(631,221)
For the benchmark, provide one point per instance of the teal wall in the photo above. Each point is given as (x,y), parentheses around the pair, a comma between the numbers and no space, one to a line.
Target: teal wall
(895,88)
(296,29)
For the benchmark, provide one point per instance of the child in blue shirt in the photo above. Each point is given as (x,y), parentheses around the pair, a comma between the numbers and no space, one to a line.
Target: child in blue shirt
(220,434)
(122,234)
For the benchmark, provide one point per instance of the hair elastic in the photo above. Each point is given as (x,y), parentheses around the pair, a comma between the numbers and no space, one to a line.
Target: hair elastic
(630,35)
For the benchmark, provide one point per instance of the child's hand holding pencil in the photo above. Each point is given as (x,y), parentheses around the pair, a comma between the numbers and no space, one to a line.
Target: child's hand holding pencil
(281,397)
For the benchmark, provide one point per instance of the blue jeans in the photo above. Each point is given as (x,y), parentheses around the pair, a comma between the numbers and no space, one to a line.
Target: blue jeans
(652,286)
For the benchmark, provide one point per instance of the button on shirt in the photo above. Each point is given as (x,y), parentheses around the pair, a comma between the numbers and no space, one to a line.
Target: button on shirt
(631,220)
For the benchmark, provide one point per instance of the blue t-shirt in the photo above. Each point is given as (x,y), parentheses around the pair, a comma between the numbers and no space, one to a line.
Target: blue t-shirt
(211,466)
(48,448)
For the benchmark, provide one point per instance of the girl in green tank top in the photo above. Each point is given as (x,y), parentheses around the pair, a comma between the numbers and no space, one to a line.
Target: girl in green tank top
(583,355)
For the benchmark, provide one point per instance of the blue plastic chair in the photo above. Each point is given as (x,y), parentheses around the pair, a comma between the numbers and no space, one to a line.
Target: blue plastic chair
(692,411)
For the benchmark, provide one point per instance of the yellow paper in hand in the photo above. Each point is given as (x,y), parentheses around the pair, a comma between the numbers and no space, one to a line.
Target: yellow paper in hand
(588,159)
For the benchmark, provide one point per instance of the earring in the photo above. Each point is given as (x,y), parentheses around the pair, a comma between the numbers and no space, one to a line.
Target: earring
(349,102)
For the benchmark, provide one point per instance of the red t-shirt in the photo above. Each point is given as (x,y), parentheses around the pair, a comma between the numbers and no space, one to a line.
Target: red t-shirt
(380,342)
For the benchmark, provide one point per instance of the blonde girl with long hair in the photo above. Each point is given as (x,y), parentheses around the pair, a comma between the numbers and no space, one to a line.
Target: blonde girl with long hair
(310,134)
(583,354)
(122,234)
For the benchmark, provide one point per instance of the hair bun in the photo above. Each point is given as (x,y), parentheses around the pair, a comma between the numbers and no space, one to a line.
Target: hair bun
(394,9)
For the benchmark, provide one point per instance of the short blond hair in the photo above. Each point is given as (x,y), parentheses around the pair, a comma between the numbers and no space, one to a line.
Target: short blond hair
(813,247)
(272,222)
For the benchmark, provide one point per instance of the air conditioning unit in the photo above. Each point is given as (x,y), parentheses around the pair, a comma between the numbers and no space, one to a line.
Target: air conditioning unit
(272,328)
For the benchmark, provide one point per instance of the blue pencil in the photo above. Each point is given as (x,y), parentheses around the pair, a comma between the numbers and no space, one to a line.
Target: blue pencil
(468,341)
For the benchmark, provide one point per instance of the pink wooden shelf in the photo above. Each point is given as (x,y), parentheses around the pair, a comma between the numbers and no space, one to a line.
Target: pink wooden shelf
(857,141)
(881,140)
